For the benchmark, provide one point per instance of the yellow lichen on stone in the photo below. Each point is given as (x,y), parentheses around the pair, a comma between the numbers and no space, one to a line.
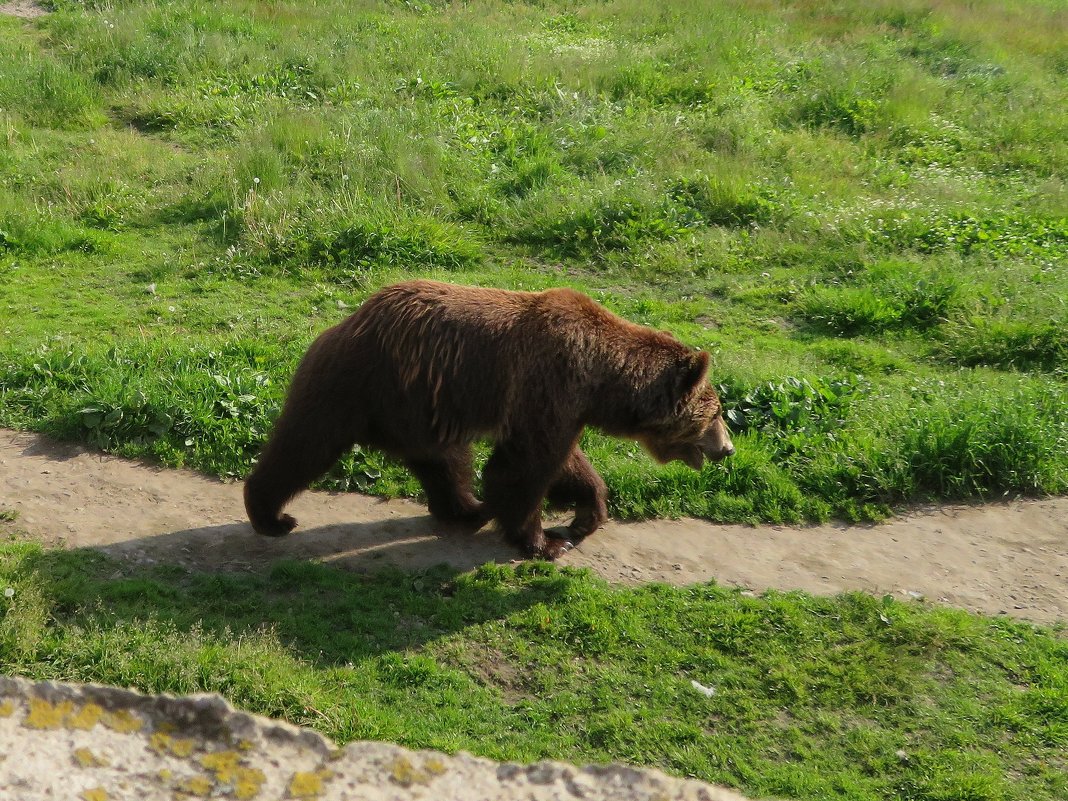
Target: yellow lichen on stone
(245,745)
(87,759)
(45,715)
(163,743)
(7,709)
(223,763)
(123,721)
(228,769)
(96,794)
(85,718)
(248,784)
(197,785)
(182,747)
(165,774)
(404,773)
(308,784)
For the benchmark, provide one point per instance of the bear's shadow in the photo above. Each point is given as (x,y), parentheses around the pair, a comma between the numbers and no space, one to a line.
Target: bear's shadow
(409,543)
(334,594)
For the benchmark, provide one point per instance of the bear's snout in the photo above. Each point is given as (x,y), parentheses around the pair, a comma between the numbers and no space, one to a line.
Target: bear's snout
(716,444)
(719,455)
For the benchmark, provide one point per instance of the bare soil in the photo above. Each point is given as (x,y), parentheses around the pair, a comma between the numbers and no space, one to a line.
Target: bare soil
(1005,558)
(27,9)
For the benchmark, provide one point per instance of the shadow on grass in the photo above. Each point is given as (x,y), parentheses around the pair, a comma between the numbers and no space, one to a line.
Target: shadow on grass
(356,603)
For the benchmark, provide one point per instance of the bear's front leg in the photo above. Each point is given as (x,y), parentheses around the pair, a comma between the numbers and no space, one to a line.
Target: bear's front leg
(515,481)
(448,481)
(578,483)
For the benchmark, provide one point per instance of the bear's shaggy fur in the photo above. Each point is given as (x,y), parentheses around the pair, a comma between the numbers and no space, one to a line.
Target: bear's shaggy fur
(422,369)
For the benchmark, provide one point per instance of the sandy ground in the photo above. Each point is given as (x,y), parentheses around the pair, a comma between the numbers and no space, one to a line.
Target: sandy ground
(1008,558)
(28,9)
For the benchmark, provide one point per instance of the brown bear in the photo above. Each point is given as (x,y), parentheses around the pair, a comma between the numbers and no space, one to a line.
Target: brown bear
(422,369)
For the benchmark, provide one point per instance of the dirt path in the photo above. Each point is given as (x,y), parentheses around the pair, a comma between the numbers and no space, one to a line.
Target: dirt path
(1007,558)
(27,9)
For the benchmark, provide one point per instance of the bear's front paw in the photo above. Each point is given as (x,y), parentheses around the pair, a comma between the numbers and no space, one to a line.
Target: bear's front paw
(552,548)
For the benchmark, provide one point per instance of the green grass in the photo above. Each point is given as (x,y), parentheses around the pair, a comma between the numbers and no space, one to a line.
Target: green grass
(865,197)
(851,697)
(859,208)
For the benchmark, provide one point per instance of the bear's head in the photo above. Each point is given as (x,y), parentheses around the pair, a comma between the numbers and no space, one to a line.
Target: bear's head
(692,429)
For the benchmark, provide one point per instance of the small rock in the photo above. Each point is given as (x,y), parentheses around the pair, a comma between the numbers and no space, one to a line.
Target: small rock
(705,691)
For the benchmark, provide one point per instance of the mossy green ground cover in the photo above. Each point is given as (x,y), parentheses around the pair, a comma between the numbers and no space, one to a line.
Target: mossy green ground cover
(858,208)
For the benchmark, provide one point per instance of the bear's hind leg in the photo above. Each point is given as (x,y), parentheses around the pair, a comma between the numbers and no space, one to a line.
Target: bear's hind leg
(579,484)
(301,448)
(448,481)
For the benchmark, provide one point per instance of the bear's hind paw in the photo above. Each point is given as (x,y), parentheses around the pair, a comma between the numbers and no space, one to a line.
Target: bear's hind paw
(278,528)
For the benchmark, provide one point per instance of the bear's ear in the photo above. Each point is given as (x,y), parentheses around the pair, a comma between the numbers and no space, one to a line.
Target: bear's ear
(691,375)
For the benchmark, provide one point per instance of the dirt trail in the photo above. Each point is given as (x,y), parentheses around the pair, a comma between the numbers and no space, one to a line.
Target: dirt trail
(1009,558)
(27,9)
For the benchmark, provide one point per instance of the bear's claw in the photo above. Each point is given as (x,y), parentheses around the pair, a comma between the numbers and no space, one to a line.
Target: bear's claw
(553,548)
